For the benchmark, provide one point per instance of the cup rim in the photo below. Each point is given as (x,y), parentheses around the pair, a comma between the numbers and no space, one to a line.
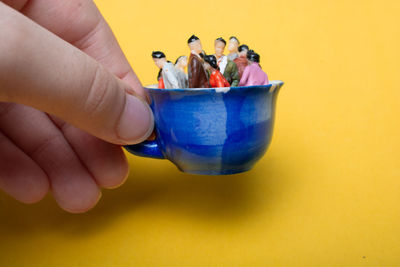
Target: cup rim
(273,85)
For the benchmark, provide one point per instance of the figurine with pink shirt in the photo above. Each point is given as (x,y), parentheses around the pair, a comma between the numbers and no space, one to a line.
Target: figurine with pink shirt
(253,74)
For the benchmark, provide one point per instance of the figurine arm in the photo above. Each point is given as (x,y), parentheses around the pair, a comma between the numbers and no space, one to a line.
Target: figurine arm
(245,76)
(266,79)
(161,84)
(194,72)
(235,75)
(186,80)
(171,77)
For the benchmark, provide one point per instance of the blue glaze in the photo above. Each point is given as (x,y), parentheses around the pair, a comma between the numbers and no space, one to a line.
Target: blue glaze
(211,131)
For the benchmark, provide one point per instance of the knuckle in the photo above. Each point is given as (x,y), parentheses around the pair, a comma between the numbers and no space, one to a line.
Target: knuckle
(100,91)
(46,146)
(12,56)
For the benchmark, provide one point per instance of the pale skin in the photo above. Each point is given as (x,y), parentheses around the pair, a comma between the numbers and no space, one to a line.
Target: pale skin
(196,47)
(207,66)
(68,101)
(219,48)
(182,63)
(160,62)
(243,53)
(233,46)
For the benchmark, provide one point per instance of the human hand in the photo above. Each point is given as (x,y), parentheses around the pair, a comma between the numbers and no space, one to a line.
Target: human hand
(61,70)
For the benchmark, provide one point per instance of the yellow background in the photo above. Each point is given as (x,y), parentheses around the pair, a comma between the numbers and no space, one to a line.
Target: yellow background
(327,193)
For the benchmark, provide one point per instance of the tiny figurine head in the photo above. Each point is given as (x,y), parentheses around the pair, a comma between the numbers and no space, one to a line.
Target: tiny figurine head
(253,56)
(159,58)
(219,46)
(194,44)
(210,60)
(243,49)
(157,54)
(181,62)
(233,44)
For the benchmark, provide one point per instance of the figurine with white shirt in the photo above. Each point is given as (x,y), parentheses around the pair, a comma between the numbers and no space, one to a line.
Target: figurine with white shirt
(227,67)
(168,79)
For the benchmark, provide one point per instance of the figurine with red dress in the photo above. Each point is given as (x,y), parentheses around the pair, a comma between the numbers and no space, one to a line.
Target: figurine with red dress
(216,77)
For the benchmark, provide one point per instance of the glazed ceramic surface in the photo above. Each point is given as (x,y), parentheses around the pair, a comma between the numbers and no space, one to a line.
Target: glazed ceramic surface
(211,131)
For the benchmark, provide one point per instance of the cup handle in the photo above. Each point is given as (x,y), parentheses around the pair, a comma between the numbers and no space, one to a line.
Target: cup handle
(148,149)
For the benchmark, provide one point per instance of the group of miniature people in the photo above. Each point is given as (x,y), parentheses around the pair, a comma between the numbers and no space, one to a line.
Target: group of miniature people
(241,67)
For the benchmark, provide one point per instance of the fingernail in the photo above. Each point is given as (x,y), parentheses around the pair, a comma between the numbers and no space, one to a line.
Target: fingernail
(137,121)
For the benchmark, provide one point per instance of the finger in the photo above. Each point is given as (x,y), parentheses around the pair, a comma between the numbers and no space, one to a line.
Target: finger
(20,176)
(51,75)
(81,24)
(72,186)
(106,162)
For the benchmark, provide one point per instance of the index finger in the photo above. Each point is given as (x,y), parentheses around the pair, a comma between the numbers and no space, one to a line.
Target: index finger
(81,24)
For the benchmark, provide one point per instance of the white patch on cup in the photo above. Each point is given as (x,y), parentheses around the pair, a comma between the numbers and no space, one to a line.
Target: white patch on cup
(222,89)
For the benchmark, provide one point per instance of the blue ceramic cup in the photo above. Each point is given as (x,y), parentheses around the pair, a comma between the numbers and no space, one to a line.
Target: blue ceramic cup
(211,131)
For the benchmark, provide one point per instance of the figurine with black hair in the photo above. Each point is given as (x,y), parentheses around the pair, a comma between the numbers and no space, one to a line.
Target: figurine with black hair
(168,71)
(216,78)
(197,75)
(233,48)
(180,65)
(227,67)
(241,61)
(253,74)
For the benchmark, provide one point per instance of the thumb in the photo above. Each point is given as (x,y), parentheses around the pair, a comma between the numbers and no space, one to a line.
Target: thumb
(39,69)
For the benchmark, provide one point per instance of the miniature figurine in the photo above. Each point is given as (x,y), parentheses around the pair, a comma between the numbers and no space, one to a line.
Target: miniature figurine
(253,74)
(241,61)
(216,78)
(219,47)
(180,65)
(168,73)
(197,75)
(227,67)
(160,80)
(233,48)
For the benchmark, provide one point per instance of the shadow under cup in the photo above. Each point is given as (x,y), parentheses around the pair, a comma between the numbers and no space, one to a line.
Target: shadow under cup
(211,131)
